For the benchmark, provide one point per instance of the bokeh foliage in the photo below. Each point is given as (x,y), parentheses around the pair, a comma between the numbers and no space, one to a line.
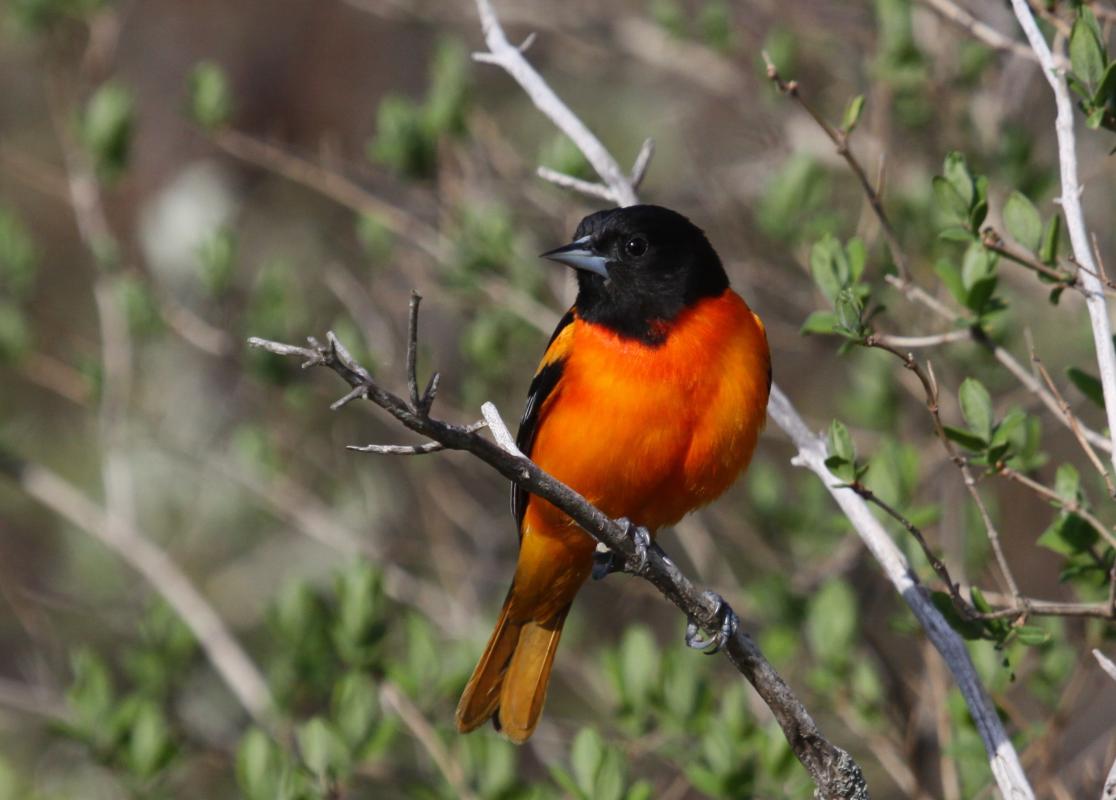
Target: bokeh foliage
(364,589)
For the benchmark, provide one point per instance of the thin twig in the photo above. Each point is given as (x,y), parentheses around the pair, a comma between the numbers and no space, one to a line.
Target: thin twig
(580,185)
(931,340)
(1074,424)
(408,449)
(930,387)
(840,139)
(395,699)
(412,349)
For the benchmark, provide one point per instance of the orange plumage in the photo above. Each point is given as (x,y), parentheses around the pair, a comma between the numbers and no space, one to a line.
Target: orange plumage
(645,427)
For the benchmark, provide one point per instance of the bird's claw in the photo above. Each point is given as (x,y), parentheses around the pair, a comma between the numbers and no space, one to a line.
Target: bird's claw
(605,561)
(729,623)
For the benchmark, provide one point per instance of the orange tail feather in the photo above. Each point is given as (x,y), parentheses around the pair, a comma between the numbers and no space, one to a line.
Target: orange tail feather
(511,678)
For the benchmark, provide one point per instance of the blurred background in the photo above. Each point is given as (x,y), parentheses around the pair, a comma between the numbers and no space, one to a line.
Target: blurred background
(176,177)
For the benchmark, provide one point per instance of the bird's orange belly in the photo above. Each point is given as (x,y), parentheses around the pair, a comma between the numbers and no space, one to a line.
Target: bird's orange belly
(650,433)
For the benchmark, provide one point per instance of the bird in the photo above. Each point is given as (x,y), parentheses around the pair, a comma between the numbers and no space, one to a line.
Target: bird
(649,400)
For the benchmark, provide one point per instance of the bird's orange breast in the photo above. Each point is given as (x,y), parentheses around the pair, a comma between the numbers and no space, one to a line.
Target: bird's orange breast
(650,432)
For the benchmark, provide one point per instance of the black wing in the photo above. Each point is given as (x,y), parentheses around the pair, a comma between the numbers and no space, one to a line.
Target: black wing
(541,386)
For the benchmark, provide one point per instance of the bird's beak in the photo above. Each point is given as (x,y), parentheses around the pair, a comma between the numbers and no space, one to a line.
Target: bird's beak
(579,254)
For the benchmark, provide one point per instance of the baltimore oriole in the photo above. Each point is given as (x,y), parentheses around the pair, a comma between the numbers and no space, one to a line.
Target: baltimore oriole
(648,402)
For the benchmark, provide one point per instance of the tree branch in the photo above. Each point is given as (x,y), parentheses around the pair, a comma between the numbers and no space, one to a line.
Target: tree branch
(510,58)
(1075,216)
(833,770)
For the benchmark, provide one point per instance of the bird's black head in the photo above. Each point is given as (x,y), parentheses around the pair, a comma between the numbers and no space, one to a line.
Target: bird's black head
(639,267)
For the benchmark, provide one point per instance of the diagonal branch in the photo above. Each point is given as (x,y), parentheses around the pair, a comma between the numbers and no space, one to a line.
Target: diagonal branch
(833,770)
(510,58)
(234,666)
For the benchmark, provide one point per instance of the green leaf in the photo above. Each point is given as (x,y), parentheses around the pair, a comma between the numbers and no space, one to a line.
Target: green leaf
(1088,385)
(1095,118)
(819,322)
(858,257)
(355,707)
(976,407)
(1106,91)
(150,745)
(950,201)
(323,749)
(1068,535)
(1031,635)
(18,256)
(90,695)
(956,233)
(951,277)
(831,620)
(956,172)
(840,442)
(967,440)
(609,783)
(1067,483)
(849,313)
(979,294)
(1087,55)
(258,765)
(969,629)
(1023,221)
(586,756)
(210,99)
(639,663)
(852,114)
(977,598)
(1051,237)
(829,266)
(977,265)
(106,128)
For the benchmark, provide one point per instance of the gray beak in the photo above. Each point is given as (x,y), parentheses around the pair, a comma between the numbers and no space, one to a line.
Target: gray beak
(577,254)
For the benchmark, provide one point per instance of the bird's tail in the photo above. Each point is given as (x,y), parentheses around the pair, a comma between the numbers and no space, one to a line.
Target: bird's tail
(510,680)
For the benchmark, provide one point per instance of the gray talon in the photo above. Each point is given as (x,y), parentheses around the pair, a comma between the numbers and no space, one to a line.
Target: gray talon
(729,623)
(641,538)
(605,561)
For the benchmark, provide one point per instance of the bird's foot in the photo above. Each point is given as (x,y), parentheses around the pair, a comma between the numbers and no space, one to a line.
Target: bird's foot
(605,561)
(729,623)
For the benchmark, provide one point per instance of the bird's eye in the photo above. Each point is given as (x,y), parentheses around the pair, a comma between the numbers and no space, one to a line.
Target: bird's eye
(636,246)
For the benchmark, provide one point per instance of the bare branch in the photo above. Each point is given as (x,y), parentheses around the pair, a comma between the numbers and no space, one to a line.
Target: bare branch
(508,57)
(234,666)
(931,340)
(588,188)
(833,770)
(1004,761)
(1105,663)
(500,431)
(980,30)
(412,349)
(1075,216)
(408,449)
(642,162)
